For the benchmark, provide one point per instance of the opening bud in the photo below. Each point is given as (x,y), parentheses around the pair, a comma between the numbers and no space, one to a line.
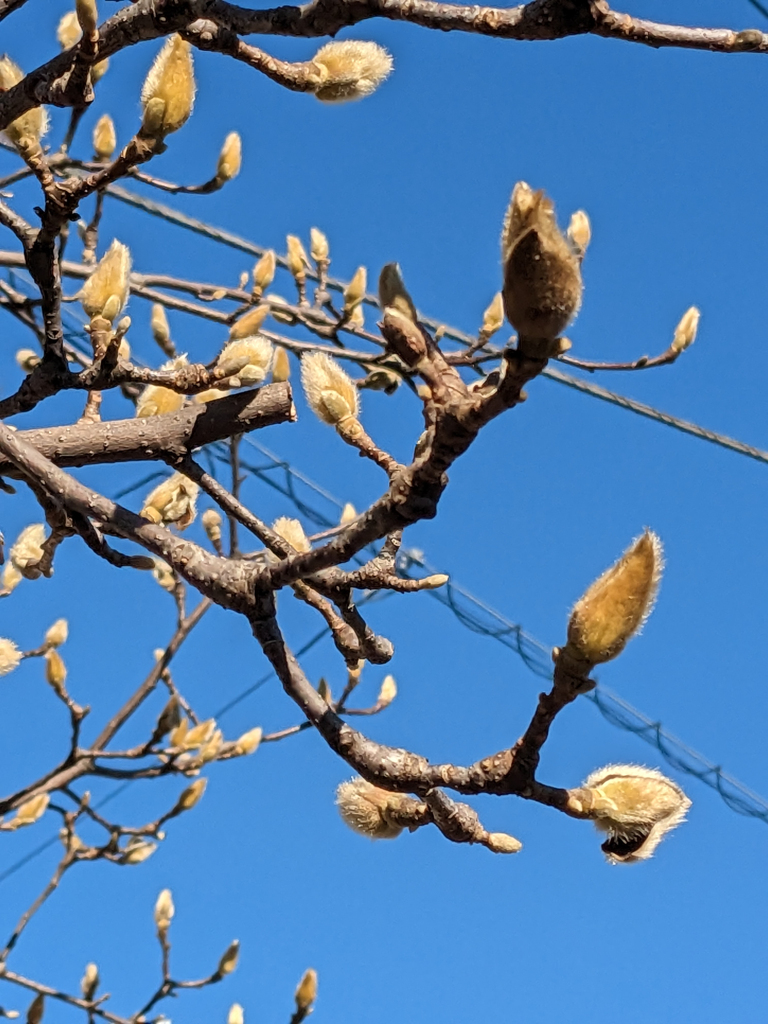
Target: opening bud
(318,246)
(10,656)
(330,393)
(349,70)
(354,293)
(169,89)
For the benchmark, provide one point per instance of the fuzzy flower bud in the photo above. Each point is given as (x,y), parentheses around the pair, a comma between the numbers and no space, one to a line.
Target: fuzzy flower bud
(89,981)
(306,993)
(501,842)
(191,796)
(292,531)
(542,279)
(10,656)
(371,811)
(685,332)
(26,131)
(87,15)
(636,806)
(11,577)
(318,247)
(57,633)
(200,734)
(156,400)
(281,365)
(297,257)
(579,232)
(68,32)
(387,693)
(248,359)
(248,326)
(354,293)
(55,671)
(104,138)
(164,911)
(228,962)
(330,393)
(264,271)
(30,811)
(173,501)
(349,70)
(249,741)
(137,851)
(211,520)
(106,290)
(169,89)
(493,317)
(164,575)
(235,1015)
(614,608)
(160,327)
(393,294)
(27,359)
(28,547)
(230,158)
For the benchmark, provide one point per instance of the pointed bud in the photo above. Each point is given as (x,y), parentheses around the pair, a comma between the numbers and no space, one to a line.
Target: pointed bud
(617,604)
(36,1009)
(230,158)
(249,741)
(172,502)
(264,271)
(57,633)
(10,656)
(27,549)
(636,807)
(388,692)
(349,70)
(191,796)
(68,32)
(297,257)
(324,690)
(25,132)
(161,330)
(354,293)
(170,717)
(248,326)
(438,579)
(164,910)
(493,317)
(685,332)
(542,279)
(107,287)
(169,89)
(137,851)
(330,393)
(55,671)
(228,962)
(318,247)
(393,294)
(89,981)
(104,138)
(30,811)
(87,15)
(211,520)
(235,1015)
(178,735)
(306,993)
(281,365)
(579,232)
(500,842)
(200,734)
(348,514)
(27,359)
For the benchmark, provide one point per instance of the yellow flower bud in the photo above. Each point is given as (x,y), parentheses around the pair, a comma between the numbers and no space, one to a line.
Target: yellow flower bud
(87,15)
(228,962)
(330,393)
(354,293)
(68,32)
(235,1015)
(249,359)
(108,286)
(318,245)
(248,326)
(57,634)
(281,365)
(500,842)
(614,608)
(161,330)
(388,692)
(367,809)
(306,993)
(264,270)
(28,547)
(297,257)
(393,294)
(172,501)
(685,332)
(11,577)
(27,359)
(292,531)
(636,806)
(164,911)
(348,514)
(349,70)
(169,89)
(211,520)
(26,131)
(10,656)
(137,851)
(191,796)
(30,811)
(230,158)
(579,232)
(55,670)
(164,575)
(249,741)
(104,138)
(493,317)
(89,981)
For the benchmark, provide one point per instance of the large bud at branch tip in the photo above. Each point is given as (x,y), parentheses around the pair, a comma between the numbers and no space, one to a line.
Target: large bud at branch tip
(169,89)
(375,812)
(636,806)
(349,70)
(106,290)
(25,132)
(542,280)
(331,394)
(617,604)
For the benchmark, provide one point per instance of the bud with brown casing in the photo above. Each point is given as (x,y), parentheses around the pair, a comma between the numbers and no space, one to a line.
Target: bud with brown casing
(376,812)
(393,294)
(306,993)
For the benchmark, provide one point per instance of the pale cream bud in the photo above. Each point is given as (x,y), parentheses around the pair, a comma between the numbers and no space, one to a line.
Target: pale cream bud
(277,310)
(191,796)
(365,808)
(27,359)
(354,293)
(348,514)
(200,734)
(579,232)
(318,245)
(330,393)
(57,633)
(636,806)
(156,400)
(177,736)
(228,962)
(55,670)
(164,575)
(26,131)
(264,271)
(297,257)
(169,89)
(614,608)
(292,531)
(210,751)
(137,851)
(87,15)
(11,577)
(104,138)
(281,365)
(685,332)
(493,317)
(542,279)
(388,692)
(393,294)
(164,910)
(36,1009)
(248,326)
(10,656)
(350,70)
(211,520)
(158,322)
(68,32)
(172,501)
(30,811)
(109,281)
(438,579)
(235,1015)
(230,158)
(248,359)
(356,319)
(28,547)
(501,842)
(306,993)
(89,981)
(249,741)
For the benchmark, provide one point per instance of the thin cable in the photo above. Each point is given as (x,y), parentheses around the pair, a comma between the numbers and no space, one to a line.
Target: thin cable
(759,7)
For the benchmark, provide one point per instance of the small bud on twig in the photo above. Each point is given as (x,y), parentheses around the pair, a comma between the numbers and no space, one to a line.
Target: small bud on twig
(36,1009)
(264,272)
(493,317)
(306,993)
(354,293)
(685,332)
(106,290)
(281,365)
(191,796)
(235,1015)
(164,911)
(104,138)
(89,981)
(57,634)
(87,16)
(579,232)
(55,671)
(211,520)
(230,158)
(10,656)
(292,531)
(387,693)
(30,811)
(27,359)
(228,962)
(318,246)
(249,741)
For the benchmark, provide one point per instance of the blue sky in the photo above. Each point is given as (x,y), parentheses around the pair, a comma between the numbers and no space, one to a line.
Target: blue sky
(667,152)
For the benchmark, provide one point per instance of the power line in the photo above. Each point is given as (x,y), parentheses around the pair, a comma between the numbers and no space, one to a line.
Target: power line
(759,7)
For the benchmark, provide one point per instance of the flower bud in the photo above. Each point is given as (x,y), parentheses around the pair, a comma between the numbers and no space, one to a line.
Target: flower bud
(30,811)
(264,271)
(685,332)
(200,734)
(26,131)
(579,232)
(330,393)
(191,796)
(228,962)
(89,981)
(235,1015)
(306,993)
(57,633)
(387,693)
(55,671)
(493,317)
(172,502)
(297,257)
(27,550)
(249,741)
(108,286)
(68,32)
(87,15)
(348,514)
(248,326)
(248,359)
(10,656)
(104,138)
(371,811)
(11,577)
(542,279)
(318,246)
(169,89)
(292,531)
(211,520)
(393,294)
(230,158)
(281,365)
(164,575)
(137,851)
(36,1009)
(354,293)
(636,806)
(27,359)
(500,842)
(161,330)
(349,70)
(156,400)
(614,608)
(164,911)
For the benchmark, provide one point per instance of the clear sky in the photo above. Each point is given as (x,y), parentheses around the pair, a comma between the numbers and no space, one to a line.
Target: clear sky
(667,152)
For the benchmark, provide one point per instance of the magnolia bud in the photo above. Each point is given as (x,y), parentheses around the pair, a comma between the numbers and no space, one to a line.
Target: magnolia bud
(164,910)
(30,811)
(349,70)
(55,671)
(331,394)
(306,993)
(297,257)
(318,246)
(27,359)
(249,741)
(354,293)
(89,981)
(169,89)
(36,1009)
(388,692)
(87,15)
(685,332)
(281,365)
(211,520)
(235,1015)
(57,633)
(230,158)
(393,294)
(10,655)
(228,962)
(348,514)
(493,317)
(264,271)
(104,138)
